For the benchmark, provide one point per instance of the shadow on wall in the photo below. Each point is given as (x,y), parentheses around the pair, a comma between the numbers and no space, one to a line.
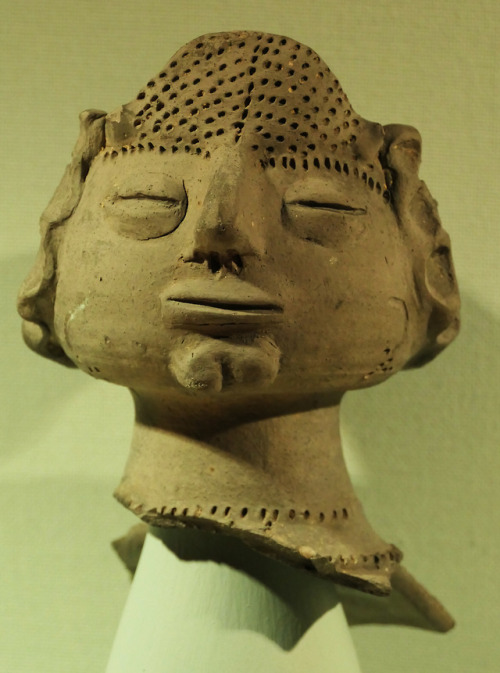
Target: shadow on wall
(427,443)
(34,390)
(436,425)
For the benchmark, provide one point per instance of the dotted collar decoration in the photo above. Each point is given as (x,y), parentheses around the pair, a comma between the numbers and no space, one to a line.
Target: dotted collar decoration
(268,92)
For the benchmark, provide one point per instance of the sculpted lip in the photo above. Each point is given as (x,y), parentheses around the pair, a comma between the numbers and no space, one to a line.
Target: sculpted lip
(227,301)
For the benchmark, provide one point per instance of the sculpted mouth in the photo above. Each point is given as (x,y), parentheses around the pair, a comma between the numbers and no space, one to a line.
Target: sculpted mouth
(228,305)
(232,303)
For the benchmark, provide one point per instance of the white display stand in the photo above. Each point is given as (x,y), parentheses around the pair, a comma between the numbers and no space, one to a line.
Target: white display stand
(205,603)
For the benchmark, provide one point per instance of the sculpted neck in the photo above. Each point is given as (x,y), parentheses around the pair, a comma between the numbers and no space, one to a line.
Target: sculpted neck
(279,482)
(228,453)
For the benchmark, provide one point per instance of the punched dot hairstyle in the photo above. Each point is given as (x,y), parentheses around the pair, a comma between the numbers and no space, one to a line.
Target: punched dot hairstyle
(268,91)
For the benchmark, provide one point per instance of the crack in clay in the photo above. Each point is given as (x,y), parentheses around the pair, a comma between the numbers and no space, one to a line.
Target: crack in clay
(71,317)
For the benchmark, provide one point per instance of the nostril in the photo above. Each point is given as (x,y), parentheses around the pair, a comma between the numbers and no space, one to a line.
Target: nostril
(233,262)
(230,260)
(214,262)
(197,257)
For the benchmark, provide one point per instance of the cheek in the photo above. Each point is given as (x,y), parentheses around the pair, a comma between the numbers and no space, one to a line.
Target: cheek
(88,321)
(373,336)
(351,324)
(107,318)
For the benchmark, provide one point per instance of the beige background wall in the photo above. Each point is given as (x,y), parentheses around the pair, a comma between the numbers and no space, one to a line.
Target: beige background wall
(423,448)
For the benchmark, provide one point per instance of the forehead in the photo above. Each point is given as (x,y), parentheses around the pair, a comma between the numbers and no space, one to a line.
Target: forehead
(226,170)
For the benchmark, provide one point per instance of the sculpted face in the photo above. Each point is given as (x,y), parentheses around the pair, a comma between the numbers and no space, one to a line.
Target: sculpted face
(235,232)
(237,226)
(220,273)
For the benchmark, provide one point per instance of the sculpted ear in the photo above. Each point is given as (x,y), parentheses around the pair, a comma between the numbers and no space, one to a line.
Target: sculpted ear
(36,296)
(416,210)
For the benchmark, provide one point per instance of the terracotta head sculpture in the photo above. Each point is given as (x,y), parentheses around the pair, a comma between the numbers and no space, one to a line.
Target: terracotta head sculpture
(240,248)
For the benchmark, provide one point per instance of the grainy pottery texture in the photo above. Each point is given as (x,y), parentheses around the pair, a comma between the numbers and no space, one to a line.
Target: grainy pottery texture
(239,248)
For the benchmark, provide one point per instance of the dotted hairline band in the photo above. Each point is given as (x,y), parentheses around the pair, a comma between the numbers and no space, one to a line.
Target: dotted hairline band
(283,161)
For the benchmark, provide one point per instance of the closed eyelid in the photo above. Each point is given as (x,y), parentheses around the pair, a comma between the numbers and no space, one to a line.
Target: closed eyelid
(333,206)
(153,188)
(146,210)
(149,197)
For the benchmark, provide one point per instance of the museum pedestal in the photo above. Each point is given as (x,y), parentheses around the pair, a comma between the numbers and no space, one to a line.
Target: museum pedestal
(205,603)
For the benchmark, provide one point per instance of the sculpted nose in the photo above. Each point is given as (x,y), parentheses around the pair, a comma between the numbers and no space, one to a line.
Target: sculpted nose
(220,236)
(231,222)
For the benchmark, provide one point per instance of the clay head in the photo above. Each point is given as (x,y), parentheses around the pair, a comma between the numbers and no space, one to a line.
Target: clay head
(236,224)
(239,248)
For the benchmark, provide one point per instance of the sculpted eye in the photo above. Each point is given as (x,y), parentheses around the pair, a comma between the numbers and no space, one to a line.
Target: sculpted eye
(329,206)
(146,214)
(324,218)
